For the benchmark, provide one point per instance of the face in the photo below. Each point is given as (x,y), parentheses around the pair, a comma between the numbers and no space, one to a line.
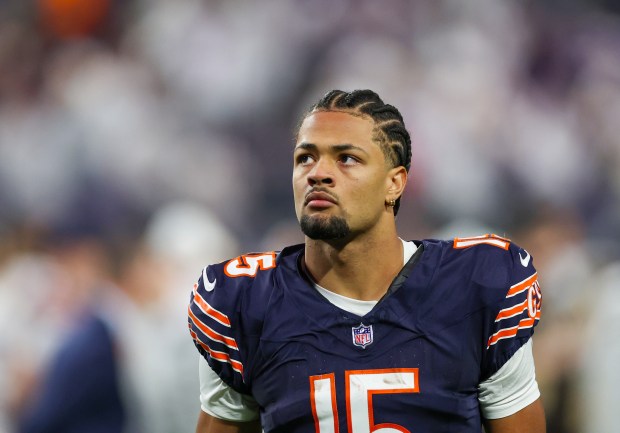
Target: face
(341,178)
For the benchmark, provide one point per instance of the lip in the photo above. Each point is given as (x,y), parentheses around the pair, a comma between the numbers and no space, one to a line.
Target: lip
(319,200)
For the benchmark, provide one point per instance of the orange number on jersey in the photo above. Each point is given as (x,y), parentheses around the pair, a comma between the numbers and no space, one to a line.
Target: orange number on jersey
(496,241)
(249,264)
(534,300)
(361,385)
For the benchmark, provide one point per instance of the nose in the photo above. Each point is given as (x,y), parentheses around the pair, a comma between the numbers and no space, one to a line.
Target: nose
(320,174)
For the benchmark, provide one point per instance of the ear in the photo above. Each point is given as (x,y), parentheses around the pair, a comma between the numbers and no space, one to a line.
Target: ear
(396,182)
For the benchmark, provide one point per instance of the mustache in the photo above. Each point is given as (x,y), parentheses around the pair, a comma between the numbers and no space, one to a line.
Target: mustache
(320,190)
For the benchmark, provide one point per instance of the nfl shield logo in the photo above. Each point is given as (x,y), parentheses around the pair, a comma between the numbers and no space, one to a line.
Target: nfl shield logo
(362,335)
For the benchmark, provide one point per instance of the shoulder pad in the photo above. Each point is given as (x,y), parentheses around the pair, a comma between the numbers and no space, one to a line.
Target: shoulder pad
(222,300)
(492,262)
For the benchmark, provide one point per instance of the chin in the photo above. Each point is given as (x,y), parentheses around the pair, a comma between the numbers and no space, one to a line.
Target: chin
(324,227)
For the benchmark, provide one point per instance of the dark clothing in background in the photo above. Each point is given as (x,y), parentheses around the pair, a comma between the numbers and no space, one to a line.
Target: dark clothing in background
(80,391)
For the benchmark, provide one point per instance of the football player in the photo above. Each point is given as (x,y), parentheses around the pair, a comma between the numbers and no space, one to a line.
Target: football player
(357,330)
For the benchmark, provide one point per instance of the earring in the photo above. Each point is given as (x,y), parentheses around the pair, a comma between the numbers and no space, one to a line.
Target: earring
(391,202)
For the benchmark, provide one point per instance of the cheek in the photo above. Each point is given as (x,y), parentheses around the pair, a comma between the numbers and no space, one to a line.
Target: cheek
(367,196)
(299,187)
(372,189)
(298,183)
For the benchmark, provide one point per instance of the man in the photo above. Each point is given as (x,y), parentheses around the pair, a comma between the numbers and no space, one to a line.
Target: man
(357,330)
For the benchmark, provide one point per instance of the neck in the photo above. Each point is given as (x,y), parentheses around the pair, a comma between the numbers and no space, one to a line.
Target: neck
(362,268)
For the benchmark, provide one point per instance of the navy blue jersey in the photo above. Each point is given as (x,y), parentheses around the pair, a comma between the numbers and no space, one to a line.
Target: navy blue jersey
(455,314)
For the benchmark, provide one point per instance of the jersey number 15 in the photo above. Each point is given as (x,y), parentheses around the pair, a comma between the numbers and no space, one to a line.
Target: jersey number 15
(360,385)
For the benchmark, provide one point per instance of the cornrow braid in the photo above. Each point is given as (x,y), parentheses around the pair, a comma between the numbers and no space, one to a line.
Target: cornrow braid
(390,131)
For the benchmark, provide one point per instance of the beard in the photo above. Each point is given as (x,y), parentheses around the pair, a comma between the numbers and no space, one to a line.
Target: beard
(329,228)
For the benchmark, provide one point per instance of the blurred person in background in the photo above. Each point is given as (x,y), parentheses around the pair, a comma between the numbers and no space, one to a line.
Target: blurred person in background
(42,291)
(430,335)
(111,372)
(69,270)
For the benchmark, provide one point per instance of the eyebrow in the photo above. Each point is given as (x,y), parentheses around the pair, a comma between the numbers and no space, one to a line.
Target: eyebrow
(334,147)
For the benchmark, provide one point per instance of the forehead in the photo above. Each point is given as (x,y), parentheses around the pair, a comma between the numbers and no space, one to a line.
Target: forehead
(329,127)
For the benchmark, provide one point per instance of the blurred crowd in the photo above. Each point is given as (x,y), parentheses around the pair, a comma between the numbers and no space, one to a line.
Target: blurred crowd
(143,139)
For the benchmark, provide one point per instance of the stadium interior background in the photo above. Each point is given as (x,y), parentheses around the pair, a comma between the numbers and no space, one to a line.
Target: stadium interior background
(141,140)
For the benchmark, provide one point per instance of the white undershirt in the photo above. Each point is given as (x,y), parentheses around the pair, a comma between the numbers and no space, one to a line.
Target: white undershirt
(509,390)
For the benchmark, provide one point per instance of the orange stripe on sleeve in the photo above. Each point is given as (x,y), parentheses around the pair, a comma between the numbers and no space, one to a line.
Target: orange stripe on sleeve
(512,311)
(511,332)
(210,311)
(219,356)
(210,333)
(502,333)
(523,285)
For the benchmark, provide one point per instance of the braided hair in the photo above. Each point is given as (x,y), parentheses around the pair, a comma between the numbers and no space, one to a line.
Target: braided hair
(389,131)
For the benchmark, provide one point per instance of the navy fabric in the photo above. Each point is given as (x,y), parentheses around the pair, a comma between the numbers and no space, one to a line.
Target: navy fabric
(80,392)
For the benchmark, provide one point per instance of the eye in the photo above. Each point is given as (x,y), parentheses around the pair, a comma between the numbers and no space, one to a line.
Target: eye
(304,159)
(348,160)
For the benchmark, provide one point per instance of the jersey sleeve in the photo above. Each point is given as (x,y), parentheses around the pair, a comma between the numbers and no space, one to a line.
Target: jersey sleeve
(511,323)
(221,401)
(511,388)
(216,328)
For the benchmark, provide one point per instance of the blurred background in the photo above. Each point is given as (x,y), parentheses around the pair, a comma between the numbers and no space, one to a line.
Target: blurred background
(141,140)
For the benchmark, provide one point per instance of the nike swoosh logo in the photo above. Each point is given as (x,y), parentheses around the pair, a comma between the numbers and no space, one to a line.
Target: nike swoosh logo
(209,286)
(525,260)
